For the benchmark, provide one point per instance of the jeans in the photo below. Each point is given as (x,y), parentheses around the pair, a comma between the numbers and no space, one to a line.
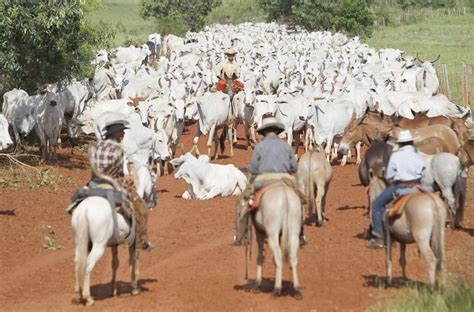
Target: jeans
(378,208)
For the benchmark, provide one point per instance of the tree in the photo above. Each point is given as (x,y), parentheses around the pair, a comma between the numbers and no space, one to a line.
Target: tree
(277,9)
(192,13)
(354,18)
(46,42)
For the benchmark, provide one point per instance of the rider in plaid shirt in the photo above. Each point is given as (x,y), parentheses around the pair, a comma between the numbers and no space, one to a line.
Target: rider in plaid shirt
(109,157)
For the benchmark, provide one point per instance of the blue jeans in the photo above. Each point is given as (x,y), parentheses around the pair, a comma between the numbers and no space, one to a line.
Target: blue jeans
(378,208)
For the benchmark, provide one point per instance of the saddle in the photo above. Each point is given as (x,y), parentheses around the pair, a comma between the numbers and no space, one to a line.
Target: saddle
(266,181)
(397,206)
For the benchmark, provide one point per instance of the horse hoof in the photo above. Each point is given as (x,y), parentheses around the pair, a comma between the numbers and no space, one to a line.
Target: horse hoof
(135,291)
(298,294)
(90,302)
(276,292)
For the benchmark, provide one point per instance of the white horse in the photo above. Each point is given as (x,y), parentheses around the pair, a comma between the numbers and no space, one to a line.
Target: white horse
(278,220)
(93,224)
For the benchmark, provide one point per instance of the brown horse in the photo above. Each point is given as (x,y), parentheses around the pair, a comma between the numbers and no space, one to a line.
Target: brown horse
(466,154)
(422,222)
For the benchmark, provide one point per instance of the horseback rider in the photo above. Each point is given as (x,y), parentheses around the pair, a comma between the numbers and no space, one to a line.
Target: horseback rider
(228,70)
(404,171)
(272,161)
(108,157)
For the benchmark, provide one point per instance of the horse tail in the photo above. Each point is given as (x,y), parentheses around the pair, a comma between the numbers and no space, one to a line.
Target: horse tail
(82,243)
(437,235)
(285,231)
(460,198)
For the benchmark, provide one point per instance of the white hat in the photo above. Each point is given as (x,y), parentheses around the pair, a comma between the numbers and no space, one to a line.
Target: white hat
(271,122)
(230,51)
(404,136)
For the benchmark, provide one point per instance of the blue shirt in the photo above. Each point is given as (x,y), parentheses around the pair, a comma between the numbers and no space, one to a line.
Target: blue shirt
(405,164)
(272,155)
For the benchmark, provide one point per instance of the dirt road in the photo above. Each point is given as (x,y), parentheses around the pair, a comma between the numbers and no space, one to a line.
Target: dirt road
(193,266)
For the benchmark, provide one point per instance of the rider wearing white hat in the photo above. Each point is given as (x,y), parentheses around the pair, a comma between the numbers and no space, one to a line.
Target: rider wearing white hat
(404,170)
(228,70)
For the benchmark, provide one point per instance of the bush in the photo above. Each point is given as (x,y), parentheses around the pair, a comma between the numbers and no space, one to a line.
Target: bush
(43,43)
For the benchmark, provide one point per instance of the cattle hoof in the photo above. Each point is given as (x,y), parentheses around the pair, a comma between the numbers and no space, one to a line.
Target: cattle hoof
(388,282)
(276,292)
(76,298)
(255,289)
(135,291)
(298,294)
(90,302)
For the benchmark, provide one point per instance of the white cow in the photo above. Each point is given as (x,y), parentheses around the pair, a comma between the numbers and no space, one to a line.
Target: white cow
(18,108)
(49,117)
(5,140)
(214,113)
(206,180)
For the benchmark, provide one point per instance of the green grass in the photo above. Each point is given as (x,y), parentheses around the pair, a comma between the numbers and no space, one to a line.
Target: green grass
(124,17)
(236,12)
(450,36)
(456,297)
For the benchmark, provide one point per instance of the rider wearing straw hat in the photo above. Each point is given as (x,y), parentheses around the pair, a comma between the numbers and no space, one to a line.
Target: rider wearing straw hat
(228,70)
(404,170)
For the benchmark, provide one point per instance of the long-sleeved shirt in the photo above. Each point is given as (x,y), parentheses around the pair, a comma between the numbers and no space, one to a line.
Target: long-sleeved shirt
(272,155)
(405,164)
(225,69)
(108,158)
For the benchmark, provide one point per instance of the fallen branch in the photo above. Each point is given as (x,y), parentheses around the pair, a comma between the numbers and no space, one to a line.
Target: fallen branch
(17,162)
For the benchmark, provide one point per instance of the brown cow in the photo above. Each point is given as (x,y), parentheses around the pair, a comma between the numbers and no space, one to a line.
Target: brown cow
(447,140)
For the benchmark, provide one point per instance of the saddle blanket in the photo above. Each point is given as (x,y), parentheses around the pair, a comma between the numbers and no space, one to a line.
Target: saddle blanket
(258,195)
(398,206)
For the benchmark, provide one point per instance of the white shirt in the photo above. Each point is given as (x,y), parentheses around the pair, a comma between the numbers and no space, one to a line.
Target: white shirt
(405,164)
(225,68)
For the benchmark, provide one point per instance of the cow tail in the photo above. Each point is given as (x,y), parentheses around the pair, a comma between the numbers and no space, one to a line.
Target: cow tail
(460,198)
(82,243)
(222,140)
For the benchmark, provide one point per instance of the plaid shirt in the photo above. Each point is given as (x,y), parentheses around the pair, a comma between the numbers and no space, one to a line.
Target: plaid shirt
(108,158)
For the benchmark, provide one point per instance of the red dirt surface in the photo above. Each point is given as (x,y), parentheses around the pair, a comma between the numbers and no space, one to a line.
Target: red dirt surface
(193,266)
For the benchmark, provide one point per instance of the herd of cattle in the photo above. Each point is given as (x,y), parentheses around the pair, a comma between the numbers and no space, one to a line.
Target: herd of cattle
(315,83)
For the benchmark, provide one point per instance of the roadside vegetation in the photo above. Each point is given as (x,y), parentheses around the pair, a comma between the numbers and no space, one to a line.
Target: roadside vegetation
(457,296)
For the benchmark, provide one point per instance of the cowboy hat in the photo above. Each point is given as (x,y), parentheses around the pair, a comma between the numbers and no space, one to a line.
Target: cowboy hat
(113,122)
(404,136)
(271,123)
(230,51)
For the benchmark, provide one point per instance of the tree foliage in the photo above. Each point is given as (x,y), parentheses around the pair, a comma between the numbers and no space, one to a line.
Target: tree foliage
(192,13)
(45,42)
(351,17)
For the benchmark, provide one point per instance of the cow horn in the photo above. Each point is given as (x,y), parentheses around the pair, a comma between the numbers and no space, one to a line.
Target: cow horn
(418,58)
(439,55)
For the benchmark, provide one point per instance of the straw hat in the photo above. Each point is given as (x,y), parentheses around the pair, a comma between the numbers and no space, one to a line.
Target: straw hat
(269,123)
(114,122)
(404,136)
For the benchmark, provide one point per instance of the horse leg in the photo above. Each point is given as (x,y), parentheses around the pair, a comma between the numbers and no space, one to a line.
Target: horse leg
(115,265)
(260,260)
(293,255)
(423,242)
(133,262)
(96,253)
(320,192)
(388,260)
(277,258)
(403,261)
(357,147)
